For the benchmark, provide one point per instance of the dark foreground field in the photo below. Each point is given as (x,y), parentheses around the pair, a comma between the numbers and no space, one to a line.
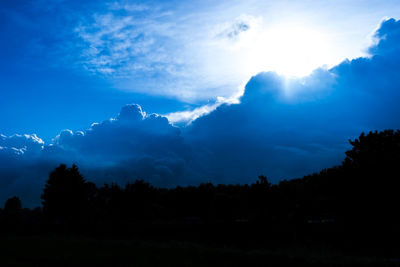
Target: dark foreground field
(76,251)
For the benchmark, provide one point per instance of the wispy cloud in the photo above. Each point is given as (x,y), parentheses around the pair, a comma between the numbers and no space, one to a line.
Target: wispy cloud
(197,52)
(119,45)
(157,50)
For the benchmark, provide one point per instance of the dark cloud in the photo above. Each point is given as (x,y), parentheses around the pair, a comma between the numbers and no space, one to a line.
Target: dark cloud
(387,37)
(17,152)
(287,128)
(146,143)
(283,128)
(22,172)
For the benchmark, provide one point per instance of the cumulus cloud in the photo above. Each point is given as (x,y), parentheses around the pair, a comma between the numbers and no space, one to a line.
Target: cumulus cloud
(133,138)
(118,134)
(133,145)
(20,144)
(288,127)
(387,37)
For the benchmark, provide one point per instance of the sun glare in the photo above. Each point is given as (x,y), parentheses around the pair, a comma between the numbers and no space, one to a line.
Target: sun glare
(289,50)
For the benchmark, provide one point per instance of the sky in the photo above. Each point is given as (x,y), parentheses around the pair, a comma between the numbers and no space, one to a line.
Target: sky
(178,92)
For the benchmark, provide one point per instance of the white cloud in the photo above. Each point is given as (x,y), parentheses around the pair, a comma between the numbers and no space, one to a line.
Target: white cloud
(147,47)
(20,144)
(128,7)
(188,116)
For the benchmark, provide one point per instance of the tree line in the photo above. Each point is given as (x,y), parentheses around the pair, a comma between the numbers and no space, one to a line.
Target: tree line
(359,198)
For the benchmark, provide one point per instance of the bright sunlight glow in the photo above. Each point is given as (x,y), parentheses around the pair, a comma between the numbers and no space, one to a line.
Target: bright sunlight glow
(289,50)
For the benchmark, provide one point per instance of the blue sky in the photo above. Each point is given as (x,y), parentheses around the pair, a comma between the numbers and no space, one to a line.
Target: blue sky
(179,92)
(65,64)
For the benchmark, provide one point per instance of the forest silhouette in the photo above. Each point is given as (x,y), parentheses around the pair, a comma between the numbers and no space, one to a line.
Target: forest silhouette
(354,206)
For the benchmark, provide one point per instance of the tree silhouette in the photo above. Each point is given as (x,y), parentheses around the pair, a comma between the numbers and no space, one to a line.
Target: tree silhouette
(66,195)
(373,184)
(376,149)
(12,215)
(358,197)
(13,205)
